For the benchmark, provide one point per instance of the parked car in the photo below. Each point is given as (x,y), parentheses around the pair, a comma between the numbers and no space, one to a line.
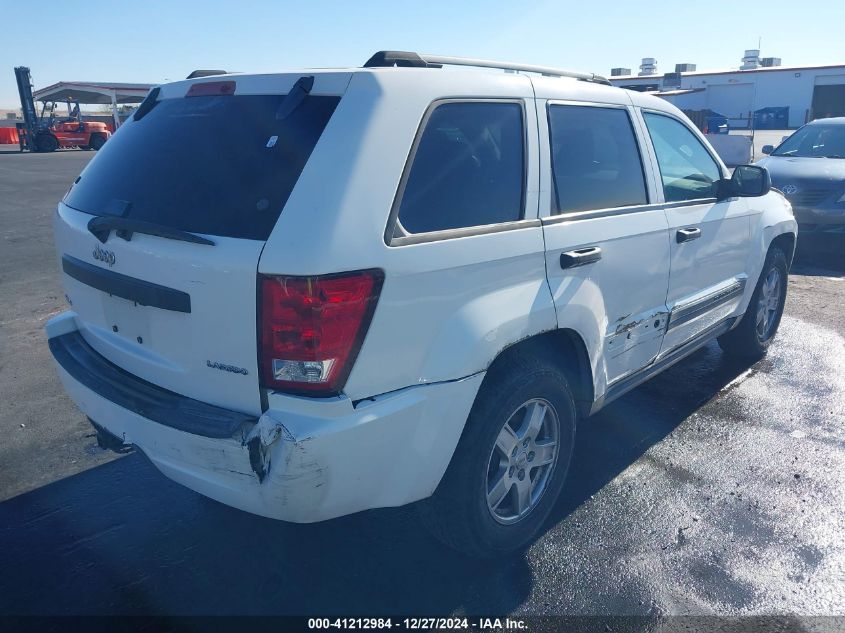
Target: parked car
(313,293)
(809,168)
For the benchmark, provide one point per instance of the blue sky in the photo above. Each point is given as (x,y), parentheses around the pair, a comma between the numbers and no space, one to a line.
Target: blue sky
(155,40)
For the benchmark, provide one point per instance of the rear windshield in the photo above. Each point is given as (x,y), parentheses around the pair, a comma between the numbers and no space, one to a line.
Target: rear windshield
(221,165)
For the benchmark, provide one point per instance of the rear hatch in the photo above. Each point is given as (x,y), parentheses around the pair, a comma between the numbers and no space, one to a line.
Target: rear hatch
(159,238)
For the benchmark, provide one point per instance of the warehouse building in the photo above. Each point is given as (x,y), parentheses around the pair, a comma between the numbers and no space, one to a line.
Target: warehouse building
(762,93)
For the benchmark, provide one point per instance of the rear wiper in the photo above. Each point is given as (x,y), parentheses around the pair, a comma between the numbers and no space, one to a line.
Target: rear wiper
(103,225)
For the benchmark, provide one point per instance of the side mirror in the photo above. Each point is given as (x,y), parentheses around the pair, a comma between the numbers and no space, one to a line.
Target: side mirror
(749,181)
(768,149)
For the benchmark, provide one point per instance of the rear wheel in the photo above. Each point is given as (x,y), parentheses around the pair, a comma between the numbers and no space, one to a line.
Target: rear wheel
(511,462)
(97,141)
(46,143)
(755,332)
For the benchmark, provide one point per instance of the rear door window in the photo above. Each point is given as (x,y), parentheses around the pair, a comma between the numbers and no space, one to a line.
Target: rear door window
(220,165)
(468,168)
(595,159)
(687,170)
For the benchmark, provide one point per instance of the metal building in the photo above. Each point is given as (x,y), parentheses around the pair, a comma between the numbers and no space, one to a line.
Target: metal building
(761,94)
(88,92)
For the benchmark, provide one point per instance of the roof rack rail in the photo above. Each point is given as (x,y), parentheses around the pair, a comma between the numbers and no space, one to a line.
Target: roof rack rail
(206,73)
(416,60)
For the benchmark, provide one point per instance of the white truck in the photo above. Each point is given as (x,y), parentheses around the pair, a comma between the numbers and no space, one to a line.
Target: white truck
(317,292)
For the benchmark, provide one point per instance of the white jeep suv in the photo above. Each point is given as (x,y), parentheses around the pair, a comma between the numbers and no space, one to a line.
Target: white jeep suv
(312,293)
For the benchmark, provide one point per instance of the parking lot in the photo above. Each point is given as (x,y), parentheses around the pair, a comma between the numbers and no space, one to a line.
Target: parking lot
(716,488)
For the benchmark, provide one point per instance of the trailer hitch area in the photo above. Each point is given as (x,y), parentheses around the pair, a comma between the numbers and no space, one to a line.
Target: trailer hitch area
(109,441)
(258,442)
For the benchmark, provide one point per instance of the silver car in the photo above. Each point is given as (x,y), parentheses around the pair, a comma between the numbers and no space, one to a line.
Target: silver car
(809,168)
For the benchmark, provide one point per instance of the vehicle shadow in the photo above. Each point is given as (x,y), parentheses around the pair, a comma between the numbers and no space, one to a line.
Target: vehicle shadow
(827,267)
(622,432)
(120,538)
(820,258)
(15,149)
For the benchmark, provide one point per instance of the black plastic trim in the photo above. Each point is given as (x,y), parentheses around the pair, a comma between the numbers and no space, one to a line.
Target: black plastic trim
(102,225)
(142,292)
(402,59)
(580,257)
(147,104)
(685,313)
(134,394)
(206,73)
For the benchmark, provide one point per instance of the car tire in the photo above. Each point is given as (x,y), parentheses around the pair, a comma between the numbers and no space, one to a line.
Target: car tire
(521,389)
(758,326)
(46,143)
(97,141)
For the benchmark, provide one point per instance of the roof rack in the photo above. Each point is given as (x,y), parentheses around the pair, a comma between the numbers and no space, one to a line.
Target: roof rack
(206,73)
(409,59)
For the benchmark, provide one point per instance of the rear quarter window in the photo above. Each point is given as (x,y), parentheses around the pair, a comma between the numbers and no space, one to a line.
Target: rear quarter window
(219,165)
(468,169)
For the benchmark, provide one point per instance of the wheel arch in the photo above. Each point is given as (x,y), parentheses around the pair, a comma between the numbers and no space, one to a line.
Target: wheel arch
(786,242)
(565,348)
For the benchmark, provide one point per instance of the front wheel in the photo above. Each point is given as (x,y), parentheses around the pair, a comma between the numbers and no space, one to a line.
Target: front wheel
(755,332)
(511,461)
(46,143)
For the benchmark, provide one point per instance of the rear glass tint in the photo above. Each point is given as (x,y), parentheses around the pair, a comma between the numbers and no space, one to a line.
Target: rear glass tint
(221,165)
(595,159)
(468,170)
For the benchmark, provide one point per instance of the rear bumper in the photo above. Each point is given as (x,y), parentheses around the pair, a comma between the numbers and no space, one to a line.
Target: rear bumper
(89,369)
(323,459)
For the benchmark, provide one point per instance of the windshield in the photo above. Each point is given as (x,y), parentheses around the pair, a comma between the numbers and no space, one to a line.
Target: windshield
(815,141)
(220,165)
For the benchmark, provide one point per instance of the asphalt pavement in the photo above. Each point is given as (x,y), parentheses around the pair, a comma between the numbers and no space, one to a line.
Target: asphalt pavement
(716,488)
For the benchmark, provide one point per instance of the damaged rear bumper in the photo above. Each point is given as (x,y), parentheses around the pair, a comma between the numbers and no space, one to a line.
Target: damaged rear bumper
(303,460)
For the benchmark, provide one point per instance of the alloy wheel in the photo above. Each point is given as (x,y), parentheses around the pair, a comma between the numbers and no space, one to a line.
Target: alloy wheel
(522,461)
(768,304)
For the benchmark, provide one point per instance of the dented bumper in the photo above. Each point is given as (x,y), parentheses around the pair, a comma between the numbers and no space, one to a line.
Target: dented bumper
(303,460)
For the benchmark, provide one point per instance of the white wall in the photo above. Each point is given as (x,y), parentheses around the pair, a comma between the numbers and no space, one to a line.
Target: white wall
(769,88)
(734,100)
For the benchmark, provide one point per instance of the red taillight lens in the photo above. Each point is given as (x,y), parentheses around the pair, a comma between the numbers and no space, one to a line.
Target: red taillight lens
(311,329)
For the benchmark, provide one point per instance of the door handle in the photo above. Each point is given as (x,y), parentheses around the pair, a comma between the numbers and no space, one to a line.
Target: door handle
(580,257)
(687,235)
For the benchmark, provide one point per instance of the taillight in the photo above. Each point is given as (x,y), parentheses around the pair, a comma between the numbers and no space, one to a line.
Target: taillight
(311,328)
